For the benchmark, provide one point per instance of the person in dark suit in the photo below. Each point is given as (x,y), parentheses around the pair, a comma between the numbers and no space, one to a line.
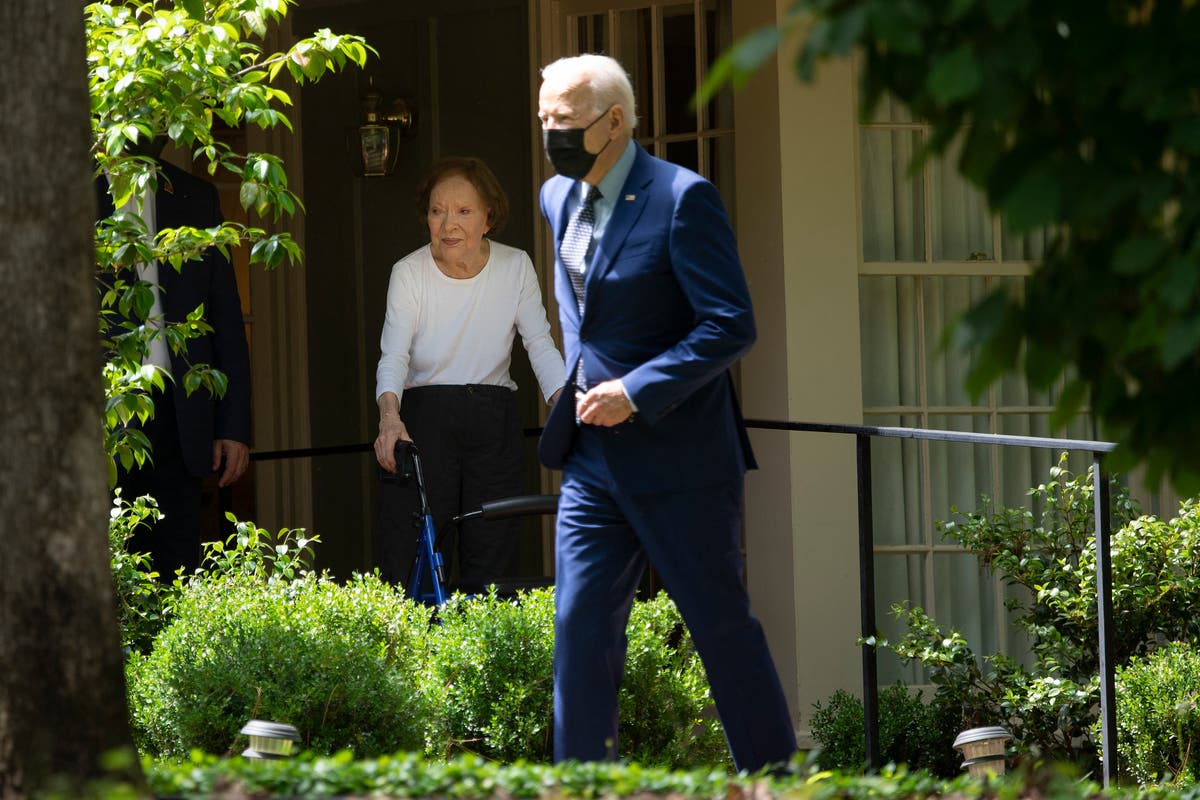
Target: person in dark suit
(191,436)
(655,310)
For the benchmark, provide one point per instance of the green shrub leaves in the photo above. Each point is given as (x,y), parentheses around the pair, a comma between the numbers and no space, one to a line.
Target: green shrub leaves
(357,666)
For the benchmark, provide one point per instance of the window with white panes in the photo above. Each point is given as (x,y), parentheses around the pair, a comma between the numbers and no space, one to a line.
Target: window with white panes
(931,248)
(666,48)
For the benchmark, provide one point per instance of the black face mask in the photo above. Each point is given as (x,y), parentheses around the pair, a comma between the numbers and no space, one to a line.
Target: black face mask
(565,151)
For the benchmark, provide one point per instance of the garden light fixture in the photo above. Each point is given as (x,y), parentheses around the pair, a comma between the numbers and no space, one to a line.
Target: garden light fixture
(269,739)
(983,750)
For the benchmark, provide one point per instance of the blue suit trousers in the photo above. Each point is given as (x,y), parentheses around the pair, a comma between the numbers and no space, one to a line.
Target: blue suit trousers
(605,536)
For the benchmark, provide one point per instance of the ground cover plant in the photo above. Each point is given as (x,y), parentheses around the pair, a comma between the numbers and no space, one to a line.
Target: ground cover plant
(407,776)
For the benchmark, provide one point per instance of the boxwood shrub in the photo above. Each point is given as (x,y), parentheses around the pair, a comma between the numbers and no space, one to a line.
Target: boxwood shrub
(1158,716)
(345,664)
(912,732)
(492,665)
(356,666)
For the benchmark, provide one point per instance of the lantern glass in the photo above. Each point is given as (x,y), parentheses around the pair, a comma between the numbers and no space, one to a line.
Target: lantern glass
(377,148)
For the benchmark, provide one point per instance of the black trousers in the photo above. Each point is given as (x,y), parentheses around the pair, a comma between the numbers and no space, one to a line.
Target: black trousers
(470,445)
(175,540)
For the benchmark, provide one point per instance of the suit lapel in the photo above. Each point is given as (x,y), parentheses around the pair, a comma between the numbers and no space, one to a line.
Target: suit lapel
(630,203)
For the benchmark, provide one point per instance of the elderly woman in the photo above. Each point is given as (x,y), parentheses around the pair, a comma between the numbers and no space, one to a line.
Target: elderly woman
(453,309)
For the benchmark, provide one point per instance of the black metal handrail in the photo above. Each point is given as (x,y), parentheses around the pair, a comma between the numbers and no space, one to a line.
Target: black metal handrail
(866,550)
(866,555)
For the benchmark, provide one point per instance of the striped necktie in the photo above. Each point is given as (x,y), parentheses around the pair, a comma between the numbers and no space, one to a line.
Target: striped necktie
(577,240)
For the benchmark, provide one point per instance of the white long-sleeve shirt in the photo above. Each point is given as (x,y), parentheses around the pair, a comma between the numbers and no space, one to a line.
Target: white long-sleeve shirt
(440,330)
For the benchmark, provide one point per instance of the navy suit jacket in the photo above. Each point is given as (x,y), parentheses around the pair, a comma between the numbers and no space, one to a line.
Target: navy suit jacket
(667,311)
(185,200)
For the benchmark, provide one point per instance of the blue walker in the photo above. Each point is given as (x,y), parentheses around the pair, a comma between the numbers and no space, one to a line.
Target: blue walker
(428,563)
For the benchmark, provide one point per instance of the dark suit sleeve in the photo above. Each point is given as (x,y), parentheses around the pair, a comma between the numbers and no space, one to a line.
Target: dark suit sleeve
(231,353)
(186,200)
(705,262)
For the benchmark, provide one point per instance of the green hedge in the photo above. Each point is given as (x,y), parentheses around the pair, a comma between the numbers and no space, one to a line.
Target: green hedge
(911,732)
(358,667)
(1046,559)
(343,663)
(1158,722)
(491,671)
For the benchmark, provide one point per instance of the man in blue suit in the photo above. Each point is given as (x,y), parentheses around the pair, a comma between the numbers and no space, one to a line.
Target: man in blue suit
(654,309)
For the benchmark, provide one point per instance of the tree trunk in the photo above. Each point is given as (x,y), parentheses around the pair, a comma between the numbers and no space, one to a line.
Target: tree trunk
(62,688)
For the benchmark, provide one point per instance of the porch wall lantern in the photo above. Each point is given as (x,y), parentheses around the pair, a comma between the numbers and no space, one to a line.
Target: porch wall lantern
(983,750)
(269,739)
(375,142)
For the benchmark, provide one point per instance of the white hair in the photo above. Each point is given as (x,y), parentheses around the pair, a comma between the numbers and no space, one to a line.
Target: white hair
(604,76)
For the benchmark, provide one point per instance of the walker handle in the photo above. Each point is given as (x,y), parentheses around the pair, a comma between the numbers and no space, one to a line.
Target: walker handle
(514,507)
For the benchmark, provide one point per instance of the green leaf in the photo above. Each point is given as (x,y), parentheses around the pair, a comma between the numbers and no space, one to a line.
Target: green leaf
(194,8)
(1180,343)
(267,251)
(834,36)
(955,76)
(739,62)
(1033,201)
(191,381)
(897,29)
(1185,134)
(1179,286)
(1136,256)
(1001,11)
(959,9)
(1042,365)
(1069,403)
(978,324)
(250,194)
(997,357)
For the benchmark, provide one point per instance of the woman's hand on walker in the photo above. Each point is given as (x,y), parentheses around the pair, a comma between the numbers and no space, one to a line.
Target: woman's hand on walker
(391,430)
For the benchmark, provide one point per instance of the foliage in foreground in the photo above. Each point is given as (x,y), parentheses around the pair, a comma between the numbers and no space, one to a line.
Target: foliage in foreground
(357,666)
(1050,706)
(305,777)
(143,603)
(469,778)
(1037,100)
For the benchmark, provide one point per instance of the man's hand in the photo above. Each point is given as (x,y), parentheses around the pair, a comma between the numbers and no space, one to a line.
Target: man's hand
(605,404)
(236,456)
(391,430)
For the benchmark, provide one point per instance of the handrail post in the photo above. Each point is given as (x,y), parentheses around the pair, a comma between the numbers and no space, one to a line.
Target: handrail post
(866,588)
(1104,613)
